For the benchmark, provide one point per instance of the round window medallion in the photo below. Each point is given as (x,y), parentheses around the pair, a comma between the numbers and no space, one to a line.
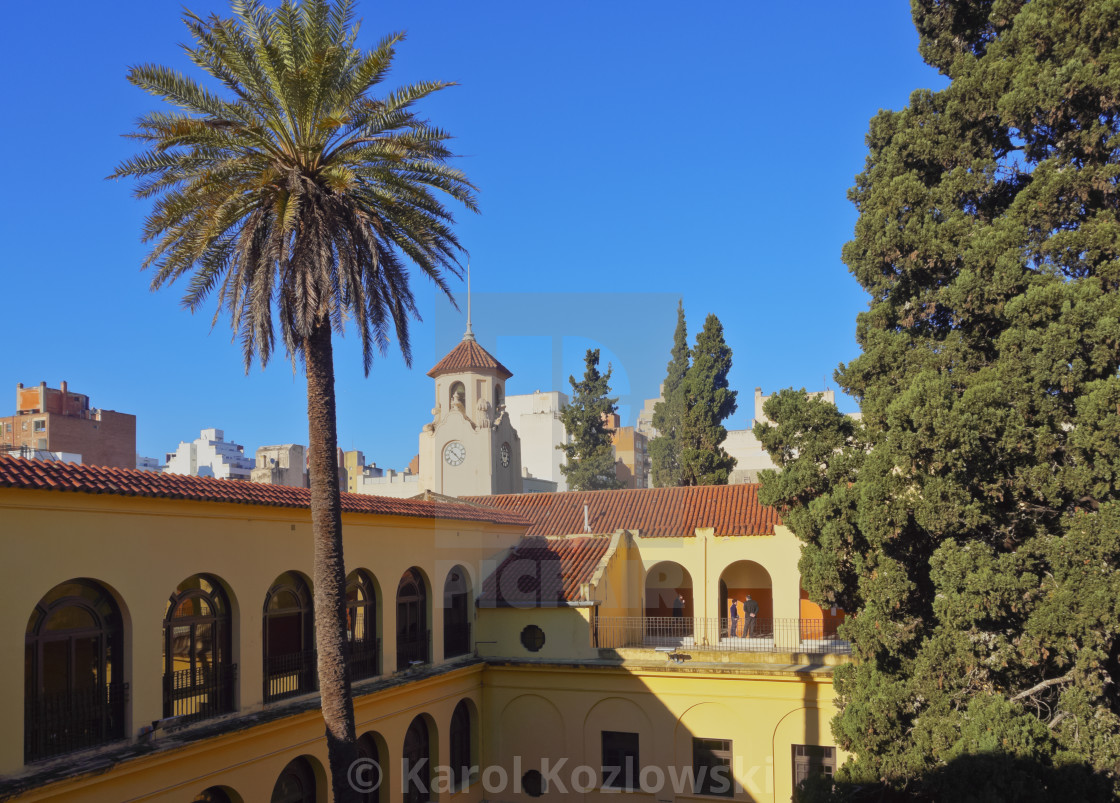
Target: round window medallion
(532,638)
(532,783)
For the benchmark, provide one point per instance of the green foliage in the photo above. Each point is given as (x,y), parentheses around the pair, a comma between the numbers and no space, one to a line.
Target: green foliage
(292,190)
(668,414)
(590,458)
(970,522)
(708,403)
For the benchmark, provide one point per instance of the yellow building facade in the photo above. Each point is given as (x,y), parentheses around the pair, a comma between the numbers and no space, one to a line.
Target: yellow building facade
(168,654)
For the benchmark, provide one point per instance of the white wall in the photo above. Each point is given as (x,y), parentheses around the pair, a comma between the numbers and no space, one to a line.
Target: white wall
(536,417)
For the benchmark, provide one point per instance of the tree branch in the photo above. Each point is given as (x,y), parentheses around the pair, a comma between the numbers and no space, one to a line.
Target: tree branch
(1068,678)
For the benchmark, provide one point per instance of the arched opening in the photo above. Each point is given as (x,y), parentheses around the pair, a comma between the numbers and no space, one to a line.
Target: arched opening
(289,639)
(417,753)
(668,604)
(499,400)
(463,744)
(217,794)
(456,613)
(296,783)
(198,668)
(457,396)
(372,780)
(749,608)
(818,623)
(361,626)
(73,662)
(412,620)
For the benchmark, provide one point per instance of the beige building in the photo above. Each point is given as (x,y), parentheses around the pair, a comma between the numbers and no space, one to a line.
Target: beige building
(536,417)
(631,451)
(285,464)
(503,648)
(470,447)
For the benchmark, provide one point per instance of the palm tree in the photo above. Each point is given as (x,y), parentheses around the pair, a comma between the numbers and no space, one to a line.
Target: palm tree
(298,197)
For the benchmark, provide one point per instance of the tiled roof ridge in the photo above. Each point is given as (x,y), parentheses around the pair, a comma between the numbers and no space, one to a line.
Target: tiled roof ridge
(19,472)
(466,355)
(653,512)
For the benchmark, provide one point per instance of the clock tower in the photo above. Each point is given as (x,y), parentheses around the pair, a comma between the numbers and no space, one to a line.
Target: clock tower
(470,448)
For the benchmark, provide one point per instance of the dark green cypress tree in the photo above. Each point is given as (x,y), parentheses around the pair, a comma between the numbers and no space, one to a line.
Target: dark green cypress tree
(665,449)
(709,402)
(590,458)
(970,522)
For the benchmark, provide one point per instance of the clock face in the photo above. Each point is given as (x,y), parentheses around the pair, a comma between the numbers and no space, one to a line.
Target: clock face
(505,454)
(454,453)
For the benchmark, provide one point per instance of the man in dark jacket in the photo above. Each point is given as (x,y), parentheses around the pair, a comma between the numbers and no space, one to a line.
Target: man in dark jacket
(750,608)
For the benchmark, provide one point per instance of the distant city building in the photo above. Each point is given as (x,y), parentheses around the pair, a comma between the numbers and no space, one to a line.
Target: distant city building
(148,463)
(536,417)
(28,453)
(57,420)
(631,451)
(285,464)
(210,455)
(645,415)
(746,448)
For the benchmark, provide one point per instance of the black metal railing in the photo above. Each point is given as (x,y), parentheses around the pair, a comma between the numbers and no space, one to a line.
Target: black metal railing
(67,721)
(456,639)
(290,675)
(413,649)
(364,658)
(199,693)
(723,635)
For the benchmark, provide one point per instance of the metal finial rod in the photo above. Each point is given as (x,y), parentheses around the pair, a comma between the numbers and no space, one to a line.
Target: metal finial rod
(470,332)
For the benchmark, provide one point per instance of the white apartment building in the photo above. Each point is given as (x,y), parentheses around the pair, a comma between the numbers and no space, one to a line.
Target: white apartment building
(210,455)
(536,417)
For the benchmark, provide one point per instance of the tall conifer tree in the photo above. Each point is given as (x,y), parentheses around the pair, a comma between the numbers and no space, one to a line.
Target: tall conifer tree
(590,459)
(710,401)
(970,523)
(665,449)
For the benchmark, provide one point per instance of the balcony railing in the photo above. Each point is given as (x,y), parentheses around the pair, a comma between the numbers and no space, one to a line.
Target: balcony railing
(290,675)
(365,658)
(412,649)
(200,693)
(723,635)
(67,721)
(456,639)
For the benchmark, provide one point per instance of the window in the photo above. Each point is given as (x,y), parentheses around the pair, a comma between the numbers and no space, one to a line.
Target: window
(811,759)
(620,760)
(198,673)
(711,767)
(456,613)
(296,783)
(290,665)
(417,754)
(72,663)
(39,425)
(461,746)
(412,621)
(361,627)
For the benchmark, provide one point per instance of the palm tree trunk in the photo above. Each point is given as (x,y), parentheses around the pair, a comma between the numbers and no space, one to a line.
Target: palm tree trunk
(330,569)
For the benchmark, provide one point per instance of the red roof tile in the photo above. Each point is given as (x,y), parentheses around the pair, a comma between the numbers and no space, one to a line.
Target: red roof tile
(729,509)
(469,356)
(544,571)
(17,472)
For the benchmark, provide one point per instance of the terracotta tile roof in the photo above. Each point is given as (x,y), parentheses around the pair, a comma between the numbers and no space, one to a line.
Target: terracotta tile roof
(544,572)
(730,509)
(469,356)
(17,472)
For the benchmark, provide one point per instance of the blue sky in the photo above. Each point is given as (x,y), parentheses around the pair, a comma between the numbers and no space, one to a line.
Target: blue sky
(627,155)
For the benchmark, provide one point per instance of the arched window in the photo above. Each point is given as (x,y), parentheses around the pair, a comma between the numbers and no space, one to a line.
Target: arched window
(498,400)
(412,620)
(75,693)
(371,781)
(361,626)
(456,613)
(296,783)
(417,753)
(289,639)
(215,794)
(198,669)
(457,395)
(460,748)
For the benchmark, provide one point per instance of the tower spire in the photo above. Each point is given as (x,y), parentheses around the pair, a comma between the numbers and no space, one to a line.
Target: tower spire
(469,335)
